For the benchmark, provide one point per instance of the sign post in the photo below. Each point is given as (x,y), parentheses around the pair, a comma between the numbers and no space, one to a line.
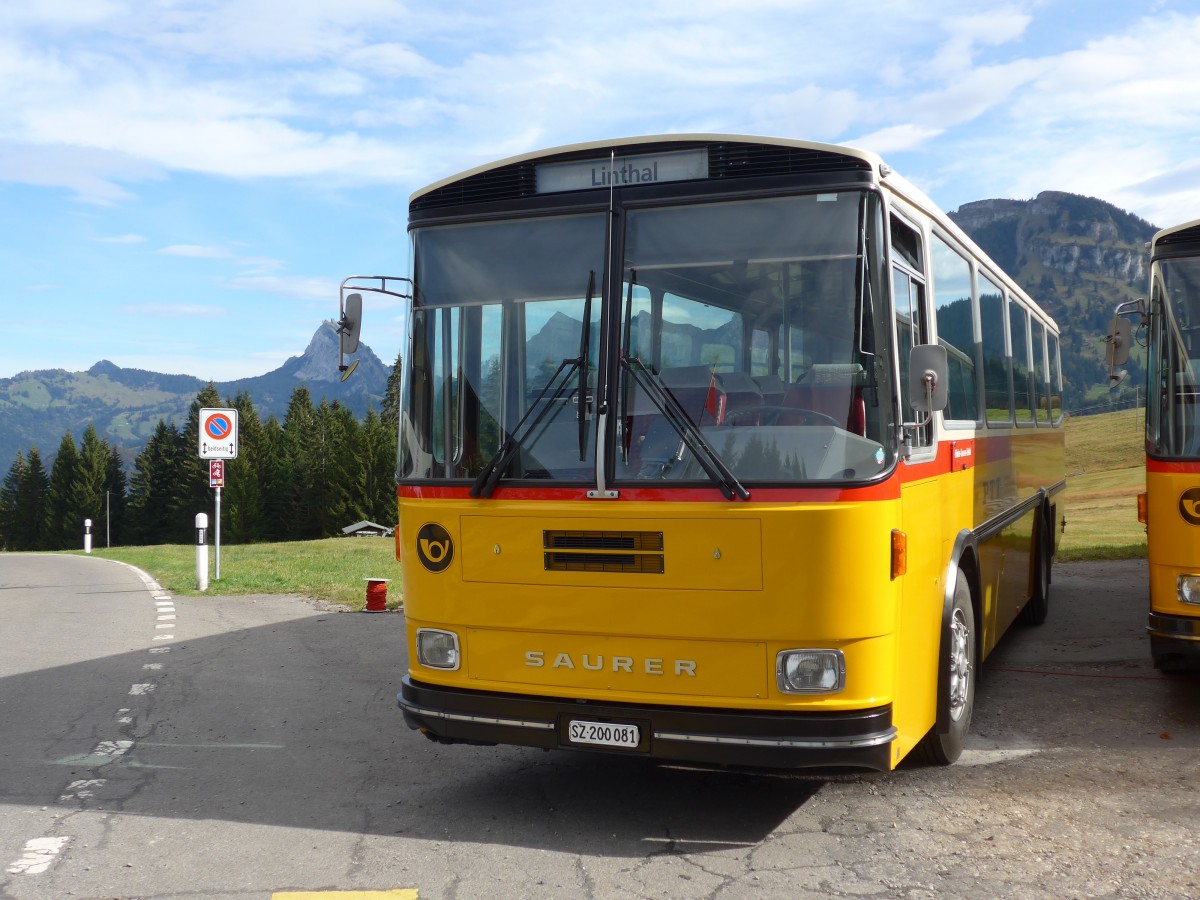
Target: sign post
(216,479)
(218,442)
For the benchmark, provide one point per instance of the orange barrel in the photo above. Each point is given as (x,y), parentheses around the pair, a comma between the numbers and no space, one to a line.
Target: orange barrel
(376,595)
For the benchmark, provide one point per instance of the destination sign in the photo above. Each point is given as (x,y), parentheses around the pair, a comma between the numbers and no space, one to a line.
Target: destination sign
(626,171)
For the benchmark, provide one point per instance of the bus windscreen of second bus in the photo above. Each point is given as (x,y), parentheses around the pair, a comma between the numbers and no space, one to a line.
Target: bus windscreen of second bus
(1174,423)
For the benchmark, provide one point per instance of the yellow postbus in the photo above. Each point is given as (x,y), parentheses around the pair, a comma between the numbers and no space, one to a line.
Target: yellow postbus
(1170,506)
(729,450)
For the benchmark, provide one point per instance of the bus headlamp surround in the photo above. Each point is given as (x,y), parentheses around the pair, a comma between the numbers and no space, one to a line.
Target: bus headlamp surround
(810,671)
(437,649)
(1189,589)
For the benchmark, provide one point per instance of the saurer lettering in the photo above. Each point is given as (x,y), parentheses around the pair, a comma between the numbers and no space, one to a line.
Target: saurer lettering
(648,665)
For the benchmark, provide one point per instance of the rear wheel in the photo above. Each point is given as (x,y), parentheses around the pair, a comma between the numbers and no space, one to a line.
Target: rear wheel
(956,681)
(1038,607)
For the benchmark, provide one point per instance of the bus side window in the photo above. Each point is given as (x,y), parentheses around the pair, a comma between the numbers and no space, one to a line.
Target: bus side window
(1023,378)
(956,327)
(908,289)
(997,372)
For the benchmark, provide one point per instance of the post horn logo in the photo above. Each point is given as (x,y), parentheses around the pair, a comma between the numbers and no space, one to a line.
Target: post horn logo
(1189,506)
(434,547)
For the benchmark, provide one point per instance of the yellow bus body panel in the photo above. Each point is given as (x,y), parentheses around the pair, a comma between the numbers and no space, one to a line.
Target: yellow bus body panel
(1173,542)
(740,583)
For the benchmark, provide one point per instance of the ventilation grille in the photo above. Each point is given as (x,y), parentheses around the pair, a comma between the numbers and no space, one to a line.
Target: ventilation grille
(725,160)
(636,552)
(507,183)
(1187,236)
(757,160)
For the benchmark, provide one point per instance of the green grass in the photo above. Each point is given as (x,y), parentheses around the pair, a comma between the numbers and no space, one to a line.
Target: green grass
(332,570)
(1106,469)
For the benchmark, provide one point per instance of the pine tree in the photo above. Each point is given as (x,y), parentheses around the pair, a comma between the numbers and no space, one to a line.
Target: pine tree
(377,452)
(242,494)
(116,491)
(92,475)
(391,398)
(302,452)
(64,515)
(12,536)
(157,506)
(31,505)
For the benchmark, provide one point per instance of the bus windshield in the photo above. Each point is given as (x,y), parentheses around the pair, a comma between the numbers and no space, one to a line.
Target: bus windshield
(751,345)
(763,319)
(1174,426)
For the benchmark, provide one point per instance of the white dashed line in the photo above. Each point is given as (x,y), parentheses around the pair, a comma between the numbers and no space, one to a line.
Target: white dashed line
(165,618)
(164,637)
(82,790)
(160,649)
(112,748)
(153,667)
(138,689)
(164,626)
(38,855)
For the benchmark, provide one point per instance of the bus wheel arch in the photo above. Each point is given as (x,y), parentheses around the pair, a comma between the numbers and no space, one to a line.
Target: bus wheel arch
(1042,552)
(958,665)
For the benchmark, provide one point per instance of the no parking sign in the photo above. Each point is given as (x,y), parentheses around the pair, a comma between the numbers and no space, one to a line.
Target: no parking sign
(218,434)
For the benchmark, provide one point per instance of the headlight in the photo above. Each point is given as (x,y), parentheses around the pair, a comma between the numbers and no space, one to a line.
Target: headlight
(438,649)
(810,671)
(1189,589)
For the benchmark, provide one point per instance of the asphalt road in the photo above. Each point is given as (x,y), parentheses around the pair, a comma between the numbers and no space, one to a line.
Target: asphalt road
(215,747)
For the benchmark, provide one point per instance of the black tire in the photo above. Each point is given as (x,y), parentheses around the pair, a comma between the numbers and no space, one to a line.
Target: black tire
(956,681)
(1038,607)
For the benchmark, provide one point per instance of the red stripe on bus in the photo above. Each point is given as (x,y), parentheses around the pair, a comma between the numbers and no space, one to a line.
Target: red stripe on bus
(1163,467)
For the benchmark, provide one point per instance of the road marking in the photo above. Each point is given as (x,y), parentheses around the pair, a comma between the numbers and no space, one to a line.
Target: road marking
(153,667)
(82,790)
(138,689)
(160,649)
(38,855)
(162,597)
(399,894)
(112,748)
(164,637)
(160,627)
(165,618)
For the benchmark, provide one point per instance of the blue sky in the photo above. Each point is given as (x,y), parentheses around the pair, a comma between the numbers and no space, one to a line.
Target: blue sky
(184,183)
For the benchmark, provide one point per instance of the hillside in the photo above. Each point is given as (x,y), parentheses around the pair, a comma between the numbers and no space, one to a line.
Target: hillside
(37,408)
(1078,257)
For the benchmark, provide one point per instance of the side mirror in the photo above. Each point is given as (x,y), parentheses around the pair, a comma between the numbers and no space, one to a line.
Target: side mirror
(928,378)
(1117,341)
(349,326)
(350,323)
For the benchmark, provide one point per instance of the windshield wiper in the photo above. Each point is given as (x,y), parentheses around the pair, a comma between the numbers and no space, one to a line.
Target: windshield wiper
(660,395)
(485,481)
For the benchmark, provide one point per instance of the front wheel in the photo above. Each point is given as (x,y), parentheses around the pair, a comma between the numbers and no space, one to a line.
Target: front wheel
(956,681)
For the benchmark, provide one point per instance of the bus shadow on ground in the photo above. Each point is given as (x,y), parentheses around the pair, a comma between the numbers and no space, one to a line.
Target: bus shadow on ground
(295,724)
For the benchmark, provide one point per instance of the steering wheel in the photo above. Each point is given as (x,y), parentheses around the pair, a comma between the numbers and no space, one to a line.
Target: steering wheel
(770,415)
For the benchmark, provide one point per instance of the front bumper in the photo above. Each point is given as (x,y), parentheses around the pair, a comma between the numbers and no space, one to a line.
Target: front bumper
(860,739)
(1174,641)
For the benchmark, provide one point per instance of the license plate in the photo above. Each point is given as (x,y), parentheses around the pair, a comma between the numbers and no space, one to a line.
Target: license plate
(603,734)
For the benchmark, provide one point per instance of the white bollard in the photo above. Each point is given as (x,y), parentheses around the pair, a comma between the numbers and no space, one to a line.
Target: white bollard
(87,535)
(201,552)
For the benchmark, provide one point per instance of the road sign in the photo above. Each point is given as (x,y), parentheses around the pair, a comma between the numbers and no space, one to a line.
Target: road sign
(216,473)
(218,434)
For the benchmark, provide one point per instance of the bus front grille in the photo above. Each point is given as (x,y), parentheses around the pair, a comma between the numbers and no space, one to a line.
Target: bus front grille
(636,552)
